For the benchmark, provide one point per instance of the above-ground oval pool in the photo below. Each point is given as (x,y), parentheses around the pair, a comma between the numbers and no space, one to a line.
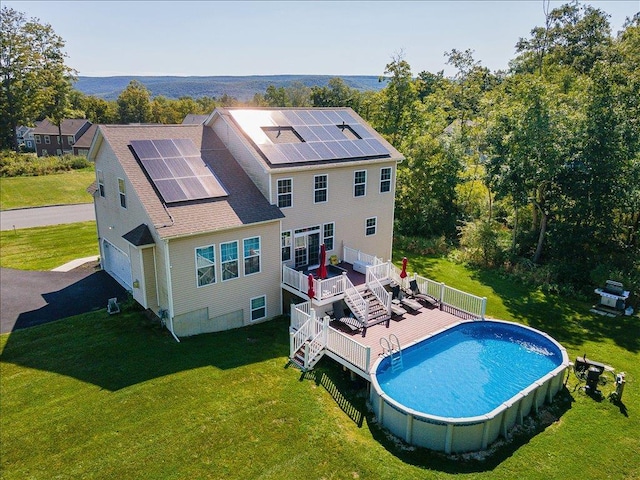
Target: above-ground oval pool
(460,389)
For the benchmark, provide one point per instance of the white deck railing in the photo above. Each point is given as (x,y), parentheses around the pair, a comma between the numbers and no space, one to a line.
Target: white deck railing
(358,305)
(351,255)
(323,289)
(300,314)
(463,301)
(349,349)
(379,271)
(378,290)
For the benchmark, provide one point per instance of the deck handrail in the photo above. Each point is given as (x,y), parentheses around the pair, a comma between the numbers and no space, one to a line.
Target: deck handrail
(346,347)
(379,271)
(463,301)
(378,290)
(300,314)
(356,300)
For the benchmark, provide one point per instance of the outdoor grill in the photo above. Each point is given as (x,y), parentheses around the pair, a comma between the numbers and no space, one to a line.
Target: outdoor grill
(613,296)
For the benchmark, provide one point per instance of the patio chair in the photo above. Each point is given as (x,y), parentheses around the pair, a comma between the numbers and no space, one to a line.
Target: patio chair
(343,319)
(397,296)
(417,294)
(112,306)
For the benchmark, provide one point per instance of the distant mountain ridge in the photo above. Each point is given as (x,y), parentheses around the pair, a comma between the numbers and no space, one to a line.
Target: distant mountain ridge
(241,87)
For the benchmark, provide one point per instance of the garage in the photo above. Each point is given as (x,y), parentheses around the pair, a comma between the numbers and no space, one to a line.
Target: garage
(116,263)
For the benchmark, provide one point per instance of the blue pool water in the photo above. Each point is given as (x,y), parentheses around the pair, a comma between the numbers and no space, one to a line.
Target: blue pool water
(470,369)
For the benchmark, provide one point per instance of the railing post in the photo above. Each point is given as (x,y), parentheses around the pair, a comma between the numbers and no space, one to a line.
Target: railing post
(389,295)
(325,330)
(367,359)
(483,308)
(306,355)
(291,345)
(441,295)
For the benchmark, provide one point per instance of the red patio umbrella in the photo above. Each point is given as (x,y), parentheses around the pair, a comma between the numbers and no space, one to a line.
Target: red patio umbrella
(403,273)
(310,292)
(322,270)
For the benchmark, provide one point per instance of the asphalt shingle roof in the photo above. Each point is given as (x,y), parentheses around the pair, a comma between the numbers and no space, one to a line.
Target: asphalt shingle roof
(244,204)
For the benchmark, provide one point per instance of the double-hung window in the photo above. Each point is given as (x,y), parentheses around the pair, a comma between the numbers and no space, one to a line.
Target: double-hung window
(320,189)
(47,139)
(251,248)
(286,246)
(70,139)
(360,183)
(206,265)
(122,191)
(328,234)
(385,179)
(370,227)
(37,137)
(258,308)
(285,192)
(100,176)
(229,260)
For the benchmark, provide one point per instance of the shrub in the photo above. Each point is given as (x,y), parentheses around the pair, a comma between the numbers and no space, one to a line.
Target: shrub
(14,164)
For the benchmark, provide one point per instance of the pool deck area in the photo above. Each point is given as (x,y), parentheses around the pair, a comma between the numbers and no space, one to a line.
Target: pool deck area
(410,328)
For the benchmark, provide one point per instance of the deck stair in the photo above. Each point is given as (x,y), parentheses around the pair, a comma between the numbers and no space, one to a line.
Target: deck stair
(391,347)
(309,347)
(367,308)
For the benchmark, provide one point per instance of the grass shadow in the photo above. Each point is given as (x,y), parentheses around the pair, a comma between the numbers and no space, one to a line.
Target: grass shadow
(118,351)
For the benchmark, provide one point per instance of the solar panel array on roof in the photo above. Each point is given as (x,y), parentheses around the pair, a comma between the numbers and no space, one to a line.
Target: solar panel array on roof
(177,170)
(324,135)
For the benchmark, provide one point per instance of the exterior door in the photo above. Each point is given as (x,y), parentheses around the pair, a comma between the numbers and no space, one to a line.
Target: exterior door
(306,248)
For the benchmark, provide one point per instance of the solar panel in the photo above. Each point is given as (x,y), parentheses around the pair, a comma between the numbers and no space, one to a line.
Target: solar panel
(177,170)
(320,134)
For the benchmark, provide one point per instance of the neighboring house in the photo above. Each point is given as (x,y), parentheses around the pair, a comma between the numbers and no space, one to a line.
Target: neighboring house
(200,221)
(193,119)
(82,145)
(48,142)
(24,137)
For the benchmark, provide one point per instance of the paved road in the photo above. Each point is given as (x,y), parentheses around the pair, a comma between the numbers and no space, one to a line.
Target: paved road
(43,216)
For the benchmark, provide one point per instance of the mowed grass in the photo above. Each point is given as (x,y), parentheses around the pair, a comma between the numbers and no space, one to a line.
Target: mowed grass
(56,189)
(44,248)
(99,396)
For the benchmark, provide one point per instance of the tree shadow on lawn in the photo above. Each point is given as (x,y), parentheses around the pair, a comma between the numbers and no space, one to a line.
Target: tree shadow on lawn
(476,462)
(115,352)
(568,321)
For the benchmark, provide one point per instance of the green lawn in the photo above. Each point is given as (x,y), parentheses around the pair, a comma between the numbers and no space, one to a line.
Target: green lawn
(44,248)
(57,189)
(98,396)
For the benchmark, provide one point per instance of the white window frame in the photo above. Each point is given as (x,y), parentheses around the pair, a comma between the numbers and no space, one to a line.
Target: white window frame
(373,225)
(37,139)
(47,140)
(324,189)
(122,192)
(100,178)
(252,309)
(332,236)
(247,257)
(224,263)
(286,242)
(70,140)
(282,195)
(385,181)
(199,267)
(357,184)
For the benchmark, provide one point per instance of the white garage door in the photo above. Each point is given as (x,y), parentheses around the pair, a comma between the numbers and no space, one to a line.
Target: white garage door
(117,264)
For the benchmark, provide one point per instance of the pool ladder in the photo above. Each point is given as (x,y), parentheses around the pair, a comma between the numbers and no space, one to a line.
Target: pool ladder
(391,347)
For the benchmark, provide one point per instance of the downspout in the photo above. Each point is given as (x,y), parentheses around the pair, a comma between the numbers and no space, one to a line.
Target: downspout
(169,289)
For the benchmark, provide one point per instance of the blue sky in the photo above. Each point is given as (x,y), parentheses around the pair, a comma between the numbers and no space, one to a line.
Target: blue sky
(289,37)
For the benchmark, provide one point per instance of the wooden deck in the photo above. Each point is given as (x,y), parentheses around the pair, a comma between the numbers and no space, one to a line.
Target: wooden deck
(409,328)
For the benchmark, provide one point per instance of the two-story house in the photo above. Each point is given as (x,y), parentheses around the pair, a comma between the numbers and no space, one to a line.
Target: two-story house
(203,221)
(47,137)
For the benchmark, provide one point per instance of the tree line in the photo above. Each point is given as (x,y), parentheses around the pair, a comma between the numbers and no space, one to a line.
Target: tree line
(535,170)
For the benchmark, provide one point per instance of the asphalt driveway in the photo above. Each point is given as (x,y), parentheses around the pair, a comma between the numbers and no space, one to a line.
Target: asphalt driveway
(29,298)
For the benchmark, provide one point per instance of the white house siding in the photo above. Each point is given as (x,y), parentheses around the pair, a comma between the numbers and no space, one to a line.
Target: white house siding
(113,220)
(223,305)
(243,153)
(349,213)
